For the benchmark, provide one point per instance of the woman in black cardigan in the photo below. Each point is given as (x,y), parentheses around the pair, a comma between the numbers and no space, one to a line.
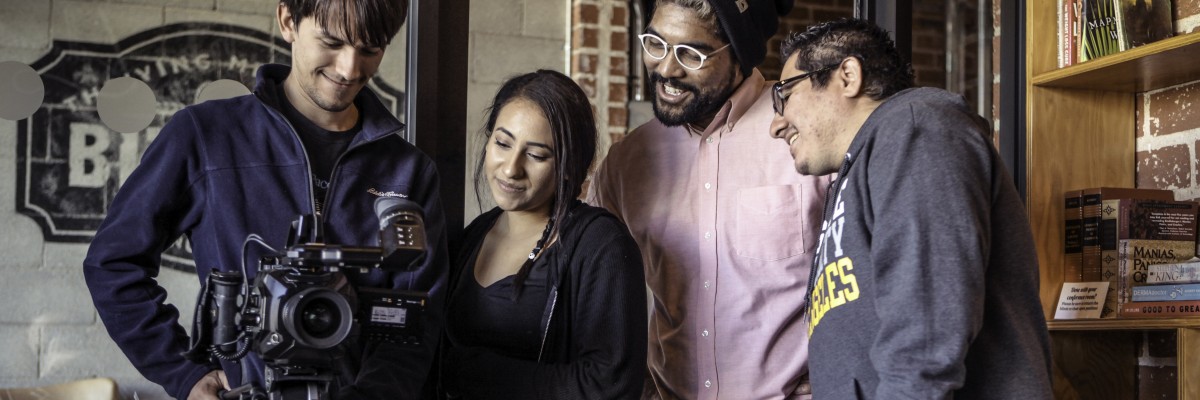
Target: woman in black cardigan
(547,298)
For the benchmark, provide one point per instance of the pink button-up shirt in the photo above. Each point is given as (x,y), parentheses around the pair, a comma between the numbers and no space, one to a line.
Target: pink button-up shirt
(727,229)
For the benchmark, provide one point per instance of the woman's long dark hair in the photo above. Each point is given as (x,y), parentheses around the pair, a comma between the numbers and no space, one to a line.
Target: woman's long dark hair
(573,126)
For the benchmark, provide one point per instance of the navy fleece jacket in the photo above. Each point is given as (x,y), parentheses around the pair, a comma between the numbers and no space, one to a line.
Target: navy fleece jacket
(224,169)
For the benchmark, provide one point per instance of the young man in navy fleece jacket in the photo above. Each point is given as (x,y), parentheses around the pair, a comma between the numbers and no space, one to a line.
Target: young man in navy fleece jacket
(309,140)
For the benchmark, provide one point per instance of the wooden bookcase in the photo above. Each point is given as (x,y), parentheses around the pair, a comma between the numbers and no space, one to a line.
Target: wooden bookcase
(1080,133)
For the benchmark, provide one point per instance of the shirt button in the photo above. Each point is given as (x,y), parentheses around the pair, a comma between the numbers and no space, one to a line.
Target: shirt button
(706,284)
(708,139)
(707,383)
(707,186)
(705,333)
(708,235)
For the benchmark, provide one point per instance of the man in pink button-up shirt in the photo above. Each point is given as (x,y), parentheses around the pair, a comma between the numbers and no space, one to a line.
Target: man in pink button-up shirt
(726,227)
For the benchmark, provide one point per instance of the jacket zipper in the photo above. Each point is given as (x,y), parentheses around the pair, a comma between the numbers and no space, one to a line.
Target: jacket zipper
(549,319)
(312,199)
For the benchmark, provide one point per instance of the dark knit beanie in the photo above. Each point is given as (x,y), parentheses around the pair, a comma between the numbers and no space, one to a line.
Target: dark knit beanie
(749,24)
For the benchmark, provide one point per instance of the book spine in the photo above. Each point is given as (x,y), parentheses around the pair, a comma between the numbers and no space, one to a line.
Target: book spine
(1062,32)
(1110,231)
(1072,237)
(1119,23)
(1077,31)
(1090,238)
(1070,12)
(1173,273)
(1109,227)
(1161,309)
(1166,292)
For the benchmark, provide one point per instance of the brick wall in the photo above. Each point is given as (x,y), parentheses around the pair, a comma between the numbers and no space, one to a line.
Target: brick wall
(1168,127)
(600,48)
(804,13)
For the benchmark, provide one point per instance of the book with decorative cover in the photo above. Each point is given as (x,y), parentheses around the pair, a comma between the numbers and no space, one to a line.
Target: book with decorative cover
(1099,33)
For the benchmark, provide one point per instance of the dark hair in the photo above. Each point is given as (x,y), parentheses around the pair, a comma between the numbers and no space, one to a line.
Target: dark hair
(884,72)
(370,22)
(573,126)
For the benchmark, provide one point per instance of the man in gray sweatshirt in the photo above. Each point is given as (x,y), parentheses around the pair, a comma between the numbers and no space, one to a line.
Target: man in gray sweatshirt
(925,282)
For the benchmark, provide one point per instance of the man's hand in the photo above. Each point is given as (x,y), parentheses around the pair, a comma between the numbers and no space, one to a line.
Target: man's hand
(208,386)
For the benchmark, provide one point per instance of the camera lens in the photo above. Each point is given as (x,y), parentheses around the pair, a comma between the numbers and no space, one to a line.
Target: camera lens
(317,317)
(320,318)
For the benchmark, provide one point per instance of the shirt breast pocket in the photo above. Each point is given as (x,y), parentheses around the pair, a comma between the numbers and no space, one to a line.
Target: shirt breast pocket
(771,223)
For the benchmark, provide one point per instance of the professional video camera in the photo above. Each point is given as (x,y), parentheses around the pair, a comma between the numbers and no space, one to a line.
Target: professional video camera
(301,308)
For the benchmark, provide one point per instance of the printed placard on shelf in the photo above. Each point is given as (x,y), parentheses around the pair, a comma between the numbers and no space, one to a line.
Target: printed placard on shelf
(1081,300)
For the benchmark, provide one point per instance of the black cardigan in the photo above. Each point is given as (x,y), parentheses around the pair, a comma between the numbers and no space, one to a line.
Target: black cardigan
(594,323)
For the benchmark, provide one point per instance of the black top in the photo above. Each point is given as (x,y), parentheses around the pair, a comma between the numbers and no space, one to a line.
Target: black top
(490,317)
(323,147)
(593,319)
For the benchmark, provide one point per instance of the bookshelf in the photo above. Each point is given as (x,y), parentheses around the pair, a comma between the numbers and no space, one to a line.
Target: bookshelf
(1080,133)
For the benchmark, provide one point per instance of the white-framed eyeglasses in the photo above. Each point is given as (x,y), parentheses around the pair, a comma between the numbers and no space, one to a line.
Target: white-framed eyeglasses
(687,56)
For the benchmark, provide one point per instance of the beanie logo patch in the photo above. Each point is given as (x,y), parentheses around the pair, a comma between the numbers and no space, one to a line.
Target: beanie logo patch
(742,5)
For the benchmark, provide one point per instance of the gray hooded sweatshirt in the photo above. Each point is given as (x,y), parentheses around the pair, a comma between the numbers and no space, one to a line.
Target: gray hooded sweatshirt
(925,282)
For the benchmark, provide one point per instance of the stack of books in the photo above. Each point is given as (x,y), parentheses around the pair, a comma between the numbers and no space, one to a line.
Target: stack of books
(1091,240)
(1114,234)
(1156,245)
(1171,290)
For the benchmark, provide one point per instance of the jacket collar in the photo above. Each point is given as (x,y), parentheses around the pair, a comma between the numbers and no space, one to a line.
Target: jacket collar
(377,122)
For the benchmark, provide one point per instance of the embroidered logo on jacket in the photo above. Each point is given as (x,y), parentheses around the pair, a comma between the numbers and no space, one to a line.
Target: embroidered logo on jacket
(387,193)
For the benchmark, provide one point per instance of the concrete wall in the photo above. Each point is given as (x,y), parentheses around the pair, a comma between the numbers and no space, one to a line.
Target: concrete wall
(507,38)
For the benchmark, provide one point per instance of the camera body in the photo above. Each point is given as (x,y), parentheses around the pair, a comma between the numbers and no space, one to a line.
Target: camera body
(301,309)
(300,316)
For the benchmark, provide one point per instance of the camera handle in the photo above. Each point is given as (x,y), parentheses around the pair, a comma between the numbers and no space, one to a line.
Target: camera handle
(286,383)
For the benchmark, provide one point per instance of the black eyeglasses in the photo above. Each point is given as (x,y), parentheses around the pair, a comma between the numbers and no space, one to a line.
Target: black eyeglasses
(778,98)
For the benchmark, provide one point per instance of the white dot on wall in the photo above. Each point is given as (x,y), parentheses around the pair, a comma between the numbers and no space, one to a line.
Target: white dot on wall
(220,89)
(126,105)
(21,90)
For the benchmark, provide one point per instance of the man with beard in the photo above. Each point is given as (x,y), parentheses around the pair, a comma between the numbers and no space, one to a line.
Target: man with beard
(927,275)
(311,139)
(725,228)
